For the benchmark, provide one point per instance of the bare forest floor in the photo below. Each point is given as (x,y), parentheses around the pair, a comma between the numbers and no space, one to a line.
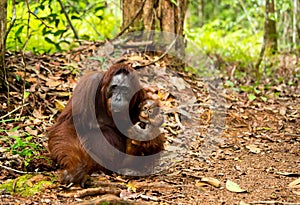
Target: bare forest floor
(254,158)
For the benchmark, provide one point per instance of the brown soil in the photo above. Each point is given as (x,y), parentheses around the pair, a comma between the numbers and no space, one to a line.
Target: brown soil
(259,148)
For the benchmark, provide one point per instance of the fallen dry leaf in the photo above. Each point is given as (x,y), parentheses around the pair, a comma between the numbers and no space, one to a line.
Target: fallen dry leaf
(125,194)
(200,184)
(59,105)
(53,83)
(234,187)
(37,114)
(179,83)
(131,186)
(243,203)
(31,131)
(253,148)
(212,181)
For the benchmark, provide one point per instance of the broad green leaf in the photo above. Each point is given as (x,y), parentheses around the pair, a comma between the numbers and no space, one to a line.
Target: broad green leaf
(229,83)
(26,94)
(19,30)
(174,2)
(251,97)
(246,88)
(257,91)
(263,98)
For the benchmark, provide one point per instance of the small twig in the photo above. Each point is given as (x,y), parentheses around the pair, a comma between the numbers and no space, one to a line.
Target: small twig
(163,55)
(274,202)
(131,21)
(165,186)
(287,134)
(14,110)
(109,199)
(30,12)
(137,44)
(92,192)
(109,184)
(15,170)
(14,185)
(23,85)
(41,20)
(148,198)
(143,185)
(69,20)
(288,174)
(2,196)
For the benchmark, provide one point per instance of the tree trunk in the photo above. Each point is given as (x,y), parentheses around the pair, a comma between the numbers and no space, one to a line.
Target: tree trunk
(131,8)
(270,36)
(158,15)
(295,21)
(3,7)
(202,16)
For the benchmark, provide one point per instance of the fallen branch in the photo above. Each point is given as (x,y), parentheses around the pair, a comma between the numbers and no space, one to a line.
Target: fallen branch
(14,110)
(97,191)
(109,199)
(143,185)
(15,170)
(92,192)
(163,55)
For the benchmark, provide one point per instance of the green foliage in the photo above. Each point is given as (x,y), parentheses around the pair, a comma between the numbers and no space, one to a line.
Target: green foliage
(174,2)
(232,44)
(253,91)
(231,32)
(227,10)
(230,84)
(46,28)
(22,145)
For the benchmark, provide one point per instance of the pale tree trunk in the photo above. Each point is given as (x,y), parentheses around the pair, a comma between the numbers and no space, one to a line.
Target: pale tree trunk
(298,19)
(202,16)
(295,30)
(3,7)
(216,7)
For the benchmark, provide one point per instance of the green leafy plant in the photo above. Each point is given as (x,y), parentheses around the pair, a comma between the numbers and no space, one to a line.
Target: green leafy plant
(45,28)
(236,45)
(22,145)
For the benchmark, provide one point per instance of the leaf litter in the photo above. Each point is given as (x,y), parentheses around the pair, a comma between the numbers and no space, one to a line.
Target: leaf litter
(261,137)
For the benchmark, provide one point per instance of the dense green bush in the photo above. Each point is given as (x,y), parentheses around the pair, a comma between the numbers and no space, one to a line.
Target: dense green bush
(43,27)
(237,45)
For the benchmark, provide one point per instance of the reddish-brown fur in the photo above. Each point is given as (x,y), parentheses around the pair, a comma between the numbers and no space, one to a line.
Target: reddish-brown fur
(64,145)
(153,121)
